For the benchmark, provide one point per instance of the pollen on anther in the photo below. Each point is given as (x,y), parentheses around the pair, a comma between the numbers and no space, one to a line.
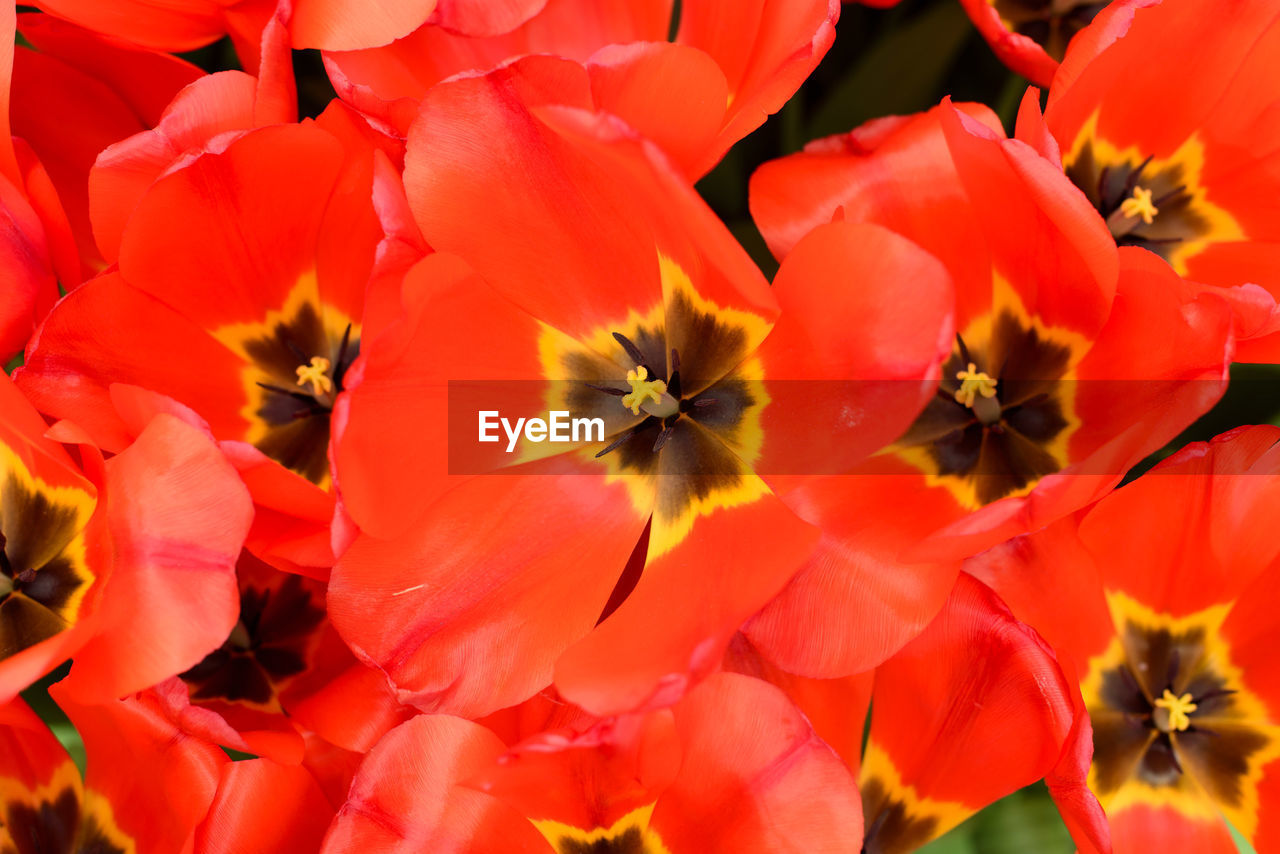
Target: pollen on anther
(1179,709)
(1140,206)
(642,389)
(973,383)
(316,373)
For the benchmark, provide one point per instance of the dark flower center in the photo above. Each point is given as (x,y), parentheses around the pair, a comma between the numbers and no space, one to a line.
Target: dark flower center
(1167,707)
(1049,23)
(1145,203)
(56,824)
(301,368)
(995,425)
(268,645)
(43,575)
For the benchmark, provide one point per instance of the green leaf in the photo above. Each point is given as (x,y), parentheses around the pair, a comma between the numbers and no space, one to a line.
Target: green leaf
(901,73)
(1025,821)
(13,364)
(1241,842)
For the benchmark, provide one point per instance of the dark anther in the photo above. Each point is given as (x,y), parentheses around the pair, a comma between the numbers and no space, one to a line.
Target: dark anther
(340,366)
(293,348)
(662,438)
(1175,662)
(1132,180)
(673,384)
(1138,721)
(964,351)
(1131,681)
(297,395)
(633,352)
(616,392)
(1176,191)
(615,443)
(875,827)
(1173,757)
(26,576)
(1213,695)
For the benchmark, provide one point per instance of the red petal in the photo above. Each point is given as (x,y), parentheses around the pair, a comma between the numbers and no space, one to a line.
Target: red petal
(107,332)
(856,601)
(277,807)
(175,26)
(451,327)
(178,517)
(675,626)
(942,707)
(29,753)
(355,24)
(836,708)
(1140,829)
(1023,55)
(895,172)
(1039,227)
(253,221)
(766,49)
(754,777)
(158,780)
(672,94)
(389,82)
(485,17)
(125,171)
(408,798)
(472,624)
(145,80)
(838,351)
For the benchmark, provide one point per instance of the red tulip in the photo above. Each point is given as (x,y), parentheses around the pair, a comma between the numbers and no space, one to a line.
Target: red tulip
(1071,364)
(1168,126)
(468,589)
(732,64)
(733,767)
(1161,597)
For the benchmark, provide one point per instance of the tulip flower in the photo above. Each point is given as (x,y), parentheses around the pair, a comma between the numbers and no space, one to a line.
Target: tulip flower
(1160,597)
(1072,362)
(1177,160)
(572,257)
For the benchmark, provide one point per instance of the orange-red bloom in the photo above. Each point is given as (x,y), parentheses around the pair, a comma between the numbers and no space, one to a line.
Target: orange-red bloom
(732,64)
(1031,36)
(37,248)
(281,673)
(73,95)
(1169,127)
(970,710)
(183,25)
(732,767)
(90,566)
(145,787)
(1071,363)
(588,261)
(239,294)
(1162,596)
